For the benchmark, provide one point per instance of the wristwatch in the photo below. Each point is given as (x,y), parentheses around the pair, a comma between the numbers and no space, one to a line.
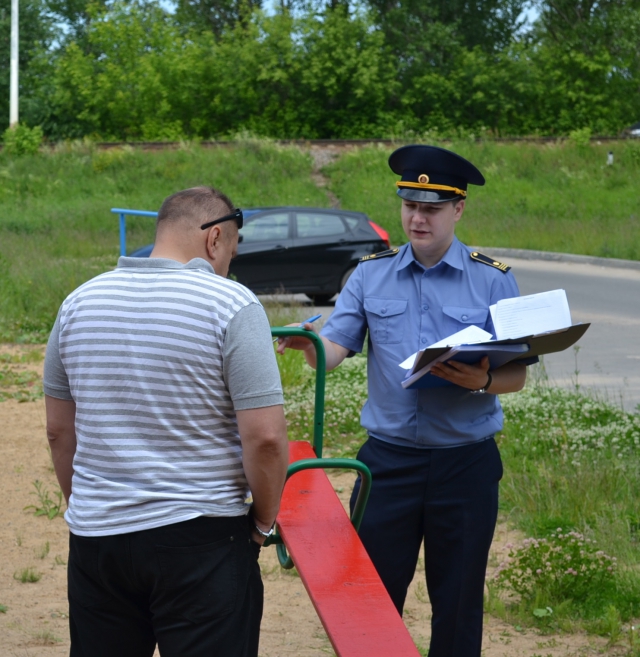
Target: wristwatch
(481,391)
(264,534)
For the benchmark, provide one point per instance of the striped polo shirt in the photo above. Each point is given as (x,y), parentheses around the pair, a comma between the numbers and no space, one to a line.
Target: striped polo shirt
(158,356)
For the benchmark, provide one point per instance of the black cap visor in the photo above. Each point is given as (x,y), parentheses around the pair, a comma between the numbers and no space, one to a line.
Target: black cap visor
(427,195)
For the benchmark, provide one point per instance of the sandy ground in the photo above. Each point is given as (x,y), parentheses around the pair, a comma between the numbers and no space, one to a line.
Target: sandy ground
(34,620)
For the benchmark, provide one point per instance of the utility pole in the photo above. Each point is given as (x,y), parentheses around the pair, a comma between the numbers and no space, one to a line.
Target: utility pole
(13,85)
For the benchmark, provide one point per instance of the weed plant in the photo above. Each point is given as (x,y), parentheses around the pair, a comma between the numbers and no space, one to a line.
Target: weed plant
(559,197)
(43,551)
(571,461)
(3,609)
(27,575)
(548,572)
(46,506)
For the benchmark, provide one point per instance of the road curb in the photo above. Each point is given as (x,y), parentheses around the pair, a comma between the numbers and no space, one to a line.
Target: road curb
(525,254)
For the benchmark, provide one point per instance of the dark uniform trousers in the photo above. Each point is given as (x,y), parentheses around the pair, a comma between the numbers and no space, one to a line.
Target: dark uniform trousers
(449,498)
(193,587)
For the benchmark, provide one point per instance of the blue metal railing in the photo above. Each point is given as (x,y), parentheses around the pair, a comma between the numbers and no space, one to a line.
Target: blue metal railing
(123,225)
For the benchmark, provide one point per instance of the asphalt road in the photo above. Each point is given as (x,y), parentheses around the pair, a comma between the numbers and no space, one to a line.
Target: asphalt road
(607,358)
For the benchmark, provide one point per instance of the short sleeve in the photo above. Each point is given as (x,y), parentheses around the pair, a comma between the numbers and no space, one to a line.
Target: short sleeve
(347,325)
(249,363)
(55,380)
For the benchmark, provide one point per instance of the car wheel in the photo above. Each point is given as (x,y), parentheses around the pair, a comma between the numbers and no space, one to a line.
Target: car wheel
(345,278)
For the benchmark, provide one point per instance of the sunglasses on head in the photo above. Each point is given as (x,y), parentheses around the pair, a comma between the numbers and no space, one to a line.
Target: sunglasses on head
(236,215)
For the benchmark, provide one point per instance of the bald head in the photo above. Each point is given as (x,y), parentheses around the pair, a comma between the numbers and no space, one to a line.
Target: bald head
(178,233)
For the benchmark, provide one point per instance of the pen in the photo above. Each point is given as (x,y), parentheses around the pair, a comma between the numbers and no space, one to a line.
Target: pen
(306,321)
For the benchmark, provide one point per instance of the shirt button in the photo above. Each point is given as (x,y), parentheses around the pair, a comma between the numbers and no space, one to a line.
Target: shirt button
(425,307)
(465,317)
(423,340)
(383,311)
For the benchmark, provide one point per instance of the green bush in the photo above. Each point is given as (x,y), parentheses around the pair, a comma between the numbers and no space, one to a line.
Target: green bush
(567,565)
(22,140)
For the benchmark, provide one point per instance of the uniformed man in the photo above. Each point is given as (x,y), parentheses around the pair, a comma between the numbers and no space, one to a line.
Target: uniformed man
(432,452)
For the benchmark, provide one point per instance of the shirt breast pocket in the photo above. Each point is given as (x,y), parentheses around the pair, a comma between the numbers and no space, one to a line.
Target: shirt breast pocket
(386,319)
(462,316)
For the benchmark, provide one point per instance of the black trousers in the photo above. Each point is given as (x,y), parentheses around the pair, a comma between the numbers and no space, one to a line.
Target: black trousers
(449,499)
(194,588)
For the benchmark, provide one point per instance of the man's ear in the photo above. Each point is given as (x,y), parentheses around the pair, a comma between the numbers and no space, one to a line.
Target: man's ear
(214,237)
(459,209)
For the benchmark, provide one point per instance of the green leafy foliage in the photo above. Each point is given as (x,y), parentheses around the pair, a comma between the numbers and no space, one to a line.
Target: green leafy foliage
(566,565)
(134,70)
(45,505)
(22,140)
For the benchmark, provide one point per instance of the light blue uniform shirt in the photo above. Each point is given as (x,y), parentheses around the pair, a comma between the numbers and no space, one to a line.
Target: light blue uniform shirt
(406,307)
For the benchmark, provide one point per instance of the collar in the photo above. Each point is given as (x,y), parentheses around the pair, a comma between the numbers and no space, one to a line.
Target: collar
(201,264)
(454,256)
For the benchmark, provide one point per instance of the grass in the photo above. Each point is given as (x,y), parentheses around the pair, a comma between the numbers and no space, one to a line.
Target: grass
(56,230)
(28,575)
(570,460)
(557,197)
(16,380)
(43,551)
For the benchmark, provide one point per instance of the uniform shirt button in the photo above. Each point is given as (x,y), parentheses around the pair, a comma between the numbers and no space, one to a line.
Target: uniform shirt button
(425,307)
(383,311)
(465,317)
(424,340)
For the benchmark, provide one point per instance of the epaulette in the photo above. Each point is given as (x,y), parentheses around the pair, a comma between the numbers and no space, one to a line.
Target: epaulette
(381,254)
(486,260)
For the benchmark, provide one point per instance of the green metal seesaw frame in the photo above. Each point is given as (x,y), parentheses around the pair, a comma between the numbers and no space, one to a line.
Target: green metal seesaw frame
(318,433)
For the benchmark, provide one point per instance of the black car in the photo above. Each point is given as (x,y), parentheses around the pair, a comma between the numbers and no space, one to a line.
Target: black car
(297,249)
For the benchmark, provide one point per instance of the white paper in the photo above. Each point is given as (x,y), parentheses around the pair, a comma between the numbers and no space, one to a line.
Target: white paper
(531,315)
(468,335)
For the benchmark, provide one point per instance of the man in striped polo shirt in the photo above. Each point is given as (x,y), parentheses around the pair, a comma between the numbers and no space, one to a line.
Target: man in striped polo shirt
(167,432)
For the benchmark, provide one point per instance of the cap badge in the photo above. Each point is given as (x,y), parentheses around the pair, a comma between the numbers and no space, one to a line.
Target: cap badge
(423,178)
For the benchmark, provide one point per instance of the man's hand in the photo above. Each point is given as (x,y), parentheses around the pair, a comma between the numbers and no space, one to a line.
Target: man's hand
(301,344)
(265,457)
(508,378)
(334,353)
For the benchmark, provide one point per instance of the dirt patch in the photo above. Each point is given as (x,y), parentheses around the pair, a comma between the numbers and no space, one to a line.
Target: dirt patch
(322,156)
(35,620)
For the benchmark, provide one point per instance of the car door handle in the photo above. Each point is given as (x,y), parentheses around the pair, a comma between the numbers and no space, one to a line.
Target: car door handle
(279,247)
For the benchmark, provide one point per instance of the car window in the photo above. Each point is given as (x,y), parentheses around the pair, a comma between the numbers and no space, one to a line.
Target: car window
(319,225)
(352,222)
(266,228)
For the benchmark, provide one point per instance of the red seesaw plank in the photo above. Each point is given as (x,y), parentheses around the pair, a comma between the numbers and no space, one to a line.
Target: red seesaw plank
(345,589)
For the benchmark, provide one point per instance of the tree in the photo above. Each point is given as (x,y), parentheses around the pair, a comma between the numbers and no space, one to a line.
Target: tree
(216,16)
(421,25)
